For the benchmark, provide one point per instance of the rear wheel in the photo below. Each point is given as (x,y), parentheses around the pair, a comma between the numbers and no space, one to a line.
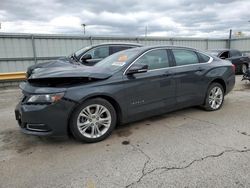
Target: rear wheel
(93,121)
(214,97)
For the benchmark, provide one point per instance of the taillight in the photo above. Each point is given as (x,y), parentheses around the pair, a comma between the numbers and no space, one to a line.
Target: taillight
(233,67)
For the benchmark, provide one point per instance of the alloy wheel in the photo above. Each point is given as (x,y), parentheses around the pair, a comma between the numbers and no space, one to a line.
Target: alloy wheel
(94,121)
(215,97)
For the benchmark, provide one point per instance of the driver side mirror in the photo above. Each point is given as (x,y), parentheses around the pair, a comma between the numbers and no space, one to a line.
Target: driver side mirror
(86,57)
(137,68)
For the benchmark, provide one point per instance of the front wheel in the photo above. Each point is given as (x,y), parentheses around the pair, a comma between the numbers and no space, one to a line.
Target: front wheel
(93,121)
(214,97)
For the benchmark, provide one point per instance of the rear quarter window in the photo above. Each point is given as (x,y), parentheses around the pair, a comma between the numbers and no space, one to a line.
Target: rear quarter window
(203,58)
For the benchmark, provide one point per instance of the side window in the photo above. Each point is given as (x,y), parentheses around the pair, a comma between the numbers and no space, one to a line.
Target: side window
(224,55)
(155,59)
(235,53)
(203,58)
(114,49)
(185,57)
(99,52)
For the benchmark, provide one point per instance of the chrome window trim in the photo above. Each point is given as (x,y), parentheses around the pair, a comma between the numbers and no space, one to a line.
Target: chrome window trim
(210,58)
(203,54)
(209,61)
(160,48)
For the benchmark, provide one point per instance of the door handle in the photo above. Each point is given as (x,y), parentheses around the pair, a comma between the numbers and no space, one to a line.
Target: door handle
(199,69)
(167,74)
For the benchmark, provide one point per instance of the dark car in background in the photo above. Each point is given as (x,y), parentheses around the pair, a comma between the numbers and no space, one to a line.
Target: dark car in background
(88,56)
(237,58)
(89,101)
(246,75)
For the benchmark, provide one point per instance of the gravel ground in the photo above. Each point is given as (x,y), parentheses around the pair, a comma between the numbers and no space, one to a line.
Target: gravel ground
(186,148)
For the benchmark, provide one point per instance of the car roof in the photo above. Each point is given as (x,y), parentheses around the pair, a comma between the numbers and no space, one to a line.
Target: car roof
(117,43)
(143,49)
(220,50)
(166,46)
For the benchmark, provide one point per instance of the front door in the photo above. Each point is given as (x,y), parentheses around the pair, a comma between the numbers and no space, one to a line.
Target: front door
(152,92)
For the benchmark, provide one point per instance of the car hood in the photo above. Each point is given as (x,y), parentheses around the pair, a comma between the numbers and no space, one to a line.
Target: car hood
(65,76)
(61,62)
(70,71)
(54,63)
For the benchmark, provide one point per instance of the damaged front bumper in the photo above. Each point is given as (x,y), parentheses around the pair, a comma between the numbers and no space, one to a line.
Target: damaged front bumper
(43,119)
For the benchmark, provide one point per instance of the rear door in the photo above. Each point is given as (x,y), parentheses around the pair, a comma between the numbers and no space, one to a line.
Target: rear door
(151,92)
(188,75)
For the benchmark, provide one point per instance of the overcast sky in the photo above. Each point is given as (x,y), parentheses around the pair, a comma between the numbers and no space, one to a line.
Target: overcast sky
(170,18)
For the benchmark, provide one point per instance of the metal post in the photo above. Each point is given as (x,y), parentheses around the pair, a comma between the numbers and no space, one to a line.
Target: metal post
(206,44)
(84,25)
(230,38)
(34,48)
(172,41)
(137,40)
(90,40)
(146,31)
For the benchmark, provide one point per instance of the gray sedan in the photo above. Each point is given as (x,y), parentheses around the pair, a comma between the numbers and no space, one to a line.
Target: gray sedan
(89,101)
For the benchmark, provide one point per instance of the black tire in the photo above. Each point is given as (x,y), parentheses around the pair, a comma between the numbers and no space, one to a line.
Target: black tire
(207,106)
(74,118)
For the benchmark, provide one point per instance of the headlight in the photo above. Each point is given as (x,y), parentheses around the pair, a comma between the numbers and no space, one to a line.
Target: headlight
(46,98)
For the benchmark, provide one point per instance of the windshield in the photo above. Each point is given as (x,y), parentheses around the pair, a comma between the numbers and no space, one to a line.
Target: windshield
(118,60)
(79,52)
